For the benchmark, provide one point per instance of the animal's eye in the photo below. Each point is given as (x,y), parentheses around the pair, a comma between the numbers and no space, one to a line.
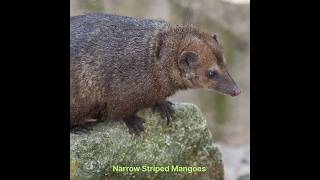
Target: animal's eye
(211,74)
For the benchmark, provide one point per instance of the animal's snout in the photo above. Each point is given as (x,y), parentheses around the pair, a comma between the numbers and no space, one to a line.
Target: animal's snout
(236,91)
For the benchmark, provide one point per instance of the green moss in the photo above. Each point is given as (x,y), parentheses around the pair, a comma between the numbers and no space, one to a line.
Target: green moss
(186,142)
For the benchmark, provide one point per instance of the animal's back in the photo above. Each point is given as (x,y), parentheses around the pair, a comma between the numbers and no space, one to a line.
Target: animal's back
(109,64)
(106,37)
(109,31)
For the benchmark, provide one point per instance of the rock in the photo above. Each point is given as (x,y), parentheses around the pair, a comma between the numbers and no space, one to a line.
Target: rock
(186,142)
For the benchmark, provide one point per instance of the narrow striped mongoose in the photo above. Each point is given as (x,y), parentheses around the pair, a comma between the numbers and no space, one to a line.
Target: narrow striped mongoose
(119,65)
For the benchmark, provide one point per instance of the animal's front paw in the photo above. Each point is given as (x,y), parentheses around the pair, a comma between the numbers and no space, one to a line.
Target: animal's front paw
(135,124)
(165,109)
(85,128)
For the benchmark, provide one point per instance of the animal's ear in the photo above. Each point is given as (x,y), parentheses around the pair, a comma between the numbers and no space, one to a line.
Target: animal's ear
(215,37)
(187,59)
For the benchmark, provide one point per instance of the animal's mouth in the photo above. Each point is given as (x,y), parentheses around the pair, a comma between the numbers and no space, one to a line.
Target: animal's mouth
(226,85)
(226,88)
(231,93)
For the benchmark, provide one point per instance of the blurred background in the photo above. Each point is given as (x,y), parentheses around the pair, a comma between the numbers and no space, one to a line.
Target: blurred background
(228,117)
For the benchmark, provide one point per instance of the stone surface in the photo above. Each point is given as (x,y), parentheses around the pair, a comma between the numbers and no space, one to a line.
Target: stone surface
(186,142)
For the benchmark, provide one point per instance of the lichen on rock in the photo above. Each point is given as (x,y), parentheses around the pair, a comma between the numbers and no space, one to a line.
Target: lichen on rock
(186,142)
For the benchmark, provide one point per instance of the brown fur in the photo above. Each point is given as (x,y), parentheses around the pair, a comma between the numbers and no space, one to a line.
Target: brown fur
(103,87)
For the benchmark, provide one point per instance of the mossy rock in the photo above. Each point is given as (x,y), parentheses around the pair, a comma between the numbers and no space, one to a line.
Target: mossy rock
(186,142)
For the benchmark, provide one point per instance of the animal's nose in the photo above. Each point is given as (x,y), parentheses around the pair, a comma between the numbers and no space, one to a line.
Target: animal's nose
(236,92)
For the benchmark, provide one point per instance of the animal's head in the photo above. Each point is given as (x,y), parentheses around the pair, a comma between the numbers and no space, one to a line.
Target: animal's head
(203,65)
